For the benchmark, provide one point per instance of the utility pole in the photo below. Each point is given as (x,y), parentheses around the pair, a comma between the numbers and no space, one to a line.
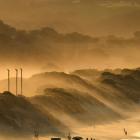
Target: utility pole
(16,81)
(21,70)
(69,136)
(8,80)
(93,126)
(36,133)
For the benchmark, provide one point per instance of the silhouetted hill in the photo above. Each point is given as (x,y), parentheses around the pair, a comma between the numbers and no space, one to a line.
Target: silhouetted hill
(90,74)
(73,99)
(127,83)
(80,106)
(19,117)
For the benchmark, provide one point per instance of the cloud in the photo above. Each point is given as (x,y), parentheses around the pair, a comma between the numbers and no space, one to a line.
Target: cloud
(120,3)
(46,49)
(38,46)
(52,67)
(92,17)
(76,1)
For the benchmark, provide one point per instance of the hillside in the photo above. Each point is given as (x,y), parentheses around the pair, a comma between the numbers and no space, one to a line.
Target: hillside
(127,83)
(19,117)
(60,102)
(82,107)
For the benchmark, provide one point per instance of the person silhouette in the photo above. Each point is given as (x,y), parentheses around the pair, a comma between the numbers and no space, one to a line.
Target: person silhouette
(125,132)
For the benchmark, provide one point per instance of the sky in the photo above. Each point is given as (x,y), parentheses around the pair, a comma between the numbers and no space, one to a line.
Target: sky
(64,35)
(94,17)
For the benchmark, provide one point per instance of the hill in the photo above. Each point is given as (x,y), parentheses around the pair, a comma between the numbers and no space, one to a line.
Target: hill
(18,116)
(78,105)
(62,101)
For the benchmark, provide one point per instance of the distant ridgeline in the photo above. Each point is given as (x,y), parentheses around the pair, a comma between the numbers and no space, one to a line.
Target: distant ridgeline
(81,97)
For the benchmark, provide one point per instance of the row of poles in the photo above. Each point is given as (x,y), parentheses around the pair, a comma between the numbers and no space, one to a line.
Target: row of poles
(21,80)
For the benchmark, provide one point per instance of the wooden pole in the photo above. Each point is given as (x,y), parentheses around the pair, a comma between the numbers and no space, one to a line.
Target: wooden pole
(8,80)
(21,70)
(16,81)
